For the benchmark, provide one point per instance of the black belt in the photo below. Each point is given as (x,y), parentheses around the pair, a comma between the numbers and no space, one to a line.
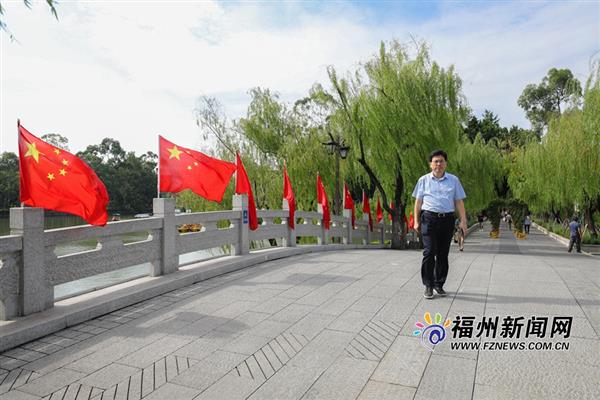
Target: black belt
(438,215)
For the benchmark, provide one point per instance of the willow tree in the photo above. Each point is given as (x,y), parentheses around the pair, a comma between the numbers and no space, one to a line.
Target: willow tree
(560,173)
(394,111)
(272,133)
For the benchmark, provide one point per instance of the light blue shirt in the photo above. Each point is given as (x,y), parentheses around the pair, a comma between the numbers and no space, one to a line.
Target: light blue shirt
(439,194)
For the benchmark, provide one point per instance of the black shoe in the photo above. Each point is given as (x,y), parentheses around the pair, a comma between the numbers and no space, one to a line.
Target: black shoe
(428,294)
(440,291)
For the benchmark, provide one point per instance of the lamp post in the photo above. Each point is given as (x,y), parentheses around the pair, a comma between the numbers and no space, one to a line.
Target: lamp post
(340,150)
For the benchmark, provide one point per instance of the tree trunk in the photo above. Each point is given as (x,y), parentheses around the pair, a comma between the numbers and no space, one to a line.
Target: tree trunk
(398,237)
(589,220)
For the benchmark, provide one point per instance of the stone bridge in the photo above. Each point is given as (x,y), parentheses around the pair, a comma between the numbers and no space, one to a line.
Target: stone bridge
(300,323)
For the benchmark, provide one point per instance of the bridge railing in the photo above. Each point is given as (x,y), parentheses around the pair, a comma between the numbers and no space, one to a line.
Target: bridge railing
(30,265)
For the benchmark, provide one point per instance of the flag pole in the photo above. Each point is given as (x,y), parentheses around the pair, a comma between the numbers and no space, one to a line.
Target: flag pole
(18,137)
(158,171)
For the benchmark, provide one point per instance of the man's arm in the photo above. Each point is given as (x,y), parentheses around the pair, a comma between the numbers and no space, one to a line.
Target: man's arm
(460,206)
(418,204)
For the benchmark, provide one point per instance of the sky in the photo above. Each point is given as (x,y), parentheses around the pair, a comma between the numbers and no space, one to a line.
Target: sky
(131,70)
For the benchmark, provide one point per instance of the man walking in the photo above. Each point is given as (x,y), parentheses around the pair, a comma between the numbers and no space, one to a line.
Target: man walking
(575,228)
(438,194)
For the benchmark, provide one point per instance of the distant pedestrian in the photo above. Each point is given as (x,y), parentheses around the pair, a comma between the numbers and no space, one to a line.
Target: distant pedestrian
(459,235)
(527,223)
(508,219)
(480,221)
(576,235)
(438,194)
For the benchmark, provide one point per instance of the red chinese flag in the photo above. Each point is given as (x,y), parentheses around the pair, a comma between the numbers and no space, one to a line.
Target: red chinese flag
(367,210)
(182,168)
(411,221)
(349,203)
(55,179)
(288,194)
(243,186)
(379,211)
(322,200)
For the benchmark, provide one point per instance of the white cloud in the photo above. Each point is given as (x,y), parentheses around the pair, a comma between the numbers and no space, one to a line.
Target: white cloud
(130,71)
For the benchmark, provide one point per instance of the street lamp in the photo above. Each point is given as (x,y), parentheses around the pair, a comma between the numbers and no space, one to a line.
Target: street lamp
(340,150)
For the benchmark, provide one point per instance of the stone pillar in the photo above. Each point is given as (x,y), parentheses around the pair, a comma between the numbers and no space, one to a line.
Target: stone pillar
(240,203)
(347,239)
(382,236)
(169,261)
(365,218)
(323,237)
(290,239)
(36,293)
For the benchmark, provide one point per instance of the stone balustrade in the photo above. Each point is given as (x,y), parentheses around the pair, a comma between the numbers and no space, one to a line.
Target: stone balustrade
(30,267)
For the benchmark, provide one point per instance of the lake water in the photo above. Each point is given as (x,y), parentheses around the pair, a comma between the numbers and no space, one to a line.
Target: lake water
(110,278)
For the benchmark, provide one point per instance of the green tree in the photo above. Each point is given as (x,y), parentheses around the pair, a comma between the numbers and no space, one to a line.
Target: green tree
(557,175)
(394,112)
(9,180)
(272,133)
(57,140)
(544,101)
(130,180)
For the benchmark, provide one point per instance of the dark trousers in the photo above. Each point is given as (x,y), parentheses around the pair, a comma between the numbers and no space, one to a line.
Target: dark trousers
(437,235)
(575,240)
(526,228)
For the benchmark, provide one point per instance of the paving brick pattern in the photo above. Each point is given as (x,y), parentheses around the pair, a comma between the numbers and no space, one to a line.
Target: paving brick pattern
(334,325)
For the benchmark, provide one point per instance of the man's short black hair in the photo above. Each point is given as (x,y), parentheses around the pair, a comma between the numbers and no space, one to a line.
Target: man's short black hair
(575,218)
(438,153)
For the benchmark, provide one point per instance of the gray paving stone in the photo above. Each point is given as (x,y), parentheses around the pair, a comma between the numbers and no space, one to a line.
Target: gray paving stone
(350,321)
(375,390)
(312,324)
(199,349)
(292,313)
(18,395)
(109,376)
(246,344)
(154,351)
(51,382)
(209,370)
(173,391)
(404,363)
(344,379)
(453,377)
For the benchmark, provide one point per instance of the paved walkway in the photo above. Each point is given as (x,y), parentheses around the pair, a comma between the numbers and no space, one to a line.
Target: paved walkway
(331,326)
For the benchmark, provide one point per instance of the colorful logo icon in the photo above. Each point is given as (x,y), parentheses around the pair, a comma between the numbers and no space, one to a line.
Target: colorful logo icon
(431,334)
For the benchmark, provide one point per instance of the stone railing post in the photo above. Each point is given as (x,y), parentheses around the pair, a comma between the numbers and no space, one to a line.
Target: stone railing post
(382,235)
(323,237)
(348,221)
(240,202)
(290,240)
(35,291)
(365,218)
(169,261)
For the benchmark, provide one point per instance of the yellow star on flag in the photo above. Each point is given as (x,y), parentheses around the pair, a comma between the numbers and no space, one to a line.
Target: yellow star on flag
(189,167)
(175,152)
(51,177)
(65,162)
(63,172)
(56,151)
(32,151)
(195,164)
